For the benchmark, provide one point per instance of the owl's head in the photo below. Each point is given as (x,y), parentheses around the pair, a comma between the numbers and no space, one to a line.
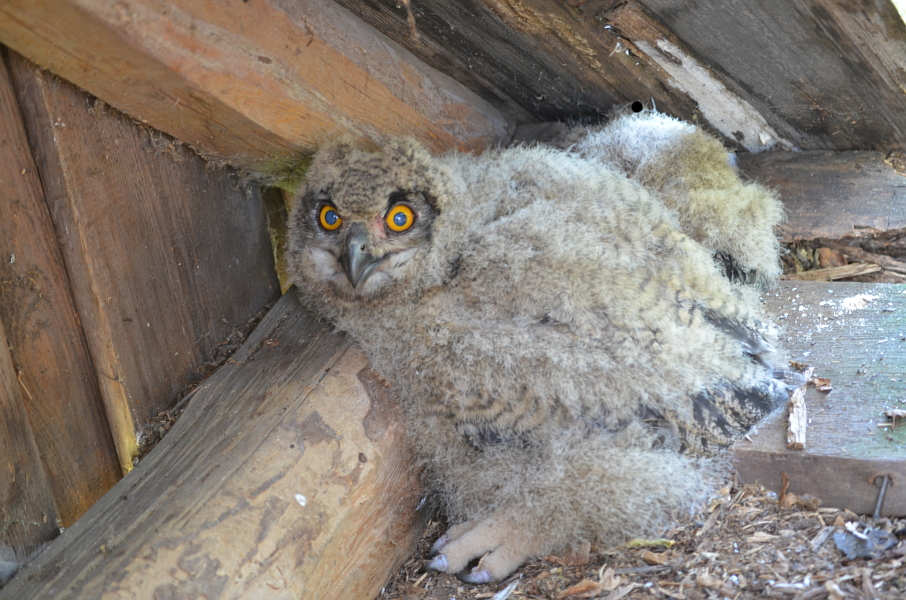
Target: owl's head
(363,218)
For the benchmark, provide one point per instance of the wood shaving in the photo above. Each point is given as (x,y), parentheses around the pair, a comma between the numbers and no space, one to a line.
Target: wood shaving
(752,548)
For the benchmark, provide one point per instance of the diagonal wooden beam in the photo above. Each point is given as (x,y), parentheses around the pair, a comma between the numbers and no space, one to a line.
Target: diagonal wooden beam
(257,84)
(288,476)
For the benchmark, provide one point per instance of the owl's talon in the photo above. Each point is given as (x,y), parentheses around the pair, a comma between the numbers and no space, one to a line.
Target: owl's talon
(439,563)
(440,543)
(476,577)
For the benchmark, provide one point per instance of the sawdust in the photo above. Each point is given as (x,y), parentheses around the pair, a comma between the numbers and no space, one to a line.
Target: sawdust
(745,546)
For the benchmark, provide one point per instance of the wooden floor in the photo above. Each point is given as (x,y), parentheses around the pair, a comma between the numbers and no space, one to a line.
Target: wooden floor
(855,335)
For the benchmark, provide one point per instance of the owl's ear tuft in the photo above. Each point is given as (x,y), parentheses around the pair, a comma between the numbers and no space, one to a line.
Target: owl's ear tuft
(407,150)
(336,149)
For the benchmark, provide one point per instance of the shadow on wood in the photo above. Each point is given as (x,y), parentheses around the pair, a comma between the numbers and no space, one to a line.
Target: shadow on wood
(287,477)
(164,256)
(44,333)
(27,515)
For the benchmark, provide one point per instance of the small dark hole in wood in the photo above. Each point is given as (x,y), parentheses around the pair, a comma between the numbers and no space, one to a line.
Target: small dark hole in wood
(637,106)
(292,445)
(362,457)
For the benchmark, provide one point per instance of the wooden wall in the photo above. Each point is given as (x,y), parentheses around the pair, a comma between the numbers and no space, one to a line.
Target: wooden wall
(126,260)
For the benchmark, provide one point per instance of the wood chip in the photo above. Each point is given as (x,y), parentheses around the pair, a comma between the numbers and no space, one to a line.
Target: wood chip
(709,581)
(822,384)
(654,558)
(798,417)
(828,257)
(761,537)
(584,589)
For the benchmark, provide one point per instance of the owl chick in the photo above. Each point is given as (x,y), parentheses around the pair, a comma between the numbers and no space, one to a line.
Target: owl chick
(567,358)
(694,175)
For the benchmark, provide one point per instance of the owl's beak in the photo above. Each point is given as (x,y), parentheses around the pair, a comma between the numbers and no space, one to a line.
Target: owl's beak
(357,263)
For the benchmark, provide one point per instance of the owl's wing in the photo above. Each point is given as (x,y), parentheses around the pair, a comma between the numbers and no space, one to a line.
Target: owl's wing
(510,381)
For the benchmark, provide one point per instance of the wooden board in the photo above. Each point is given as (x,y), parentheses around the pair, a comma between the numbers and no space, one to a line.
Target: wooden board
(555,60)
(860,345)
(831,194)
(286,477)
(27,515)
(257,84)
(43,331)
(165,256)
(825,74)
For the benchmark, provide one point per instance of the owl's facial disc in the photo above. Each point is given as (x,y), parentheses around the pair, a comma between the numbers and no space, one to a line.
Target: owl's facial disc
(357,262)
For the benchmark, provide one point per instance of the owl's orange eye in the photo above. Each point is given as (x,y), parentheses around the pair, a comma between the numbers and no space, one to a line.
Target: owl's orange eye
(329,217)
(400,218)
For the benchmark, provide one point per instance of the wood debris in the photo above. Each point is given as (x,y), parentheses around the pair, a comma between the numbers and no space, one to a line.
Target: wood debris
(752,549)
(893,415)
(822,384)
(834,273)
(798,416)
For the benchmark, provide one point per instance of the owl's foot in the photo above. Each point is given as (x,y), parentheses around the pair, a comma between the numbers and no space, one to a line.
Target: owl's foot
(508,546)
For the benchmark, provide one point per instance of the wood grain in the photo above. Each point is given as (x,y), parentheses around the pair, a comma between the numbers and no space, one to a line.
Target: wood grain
(257,84)
(286,477)
(831,194)
(44,333)
(27,515)
(553,59)
(165,256)
(825,74)
(852,333)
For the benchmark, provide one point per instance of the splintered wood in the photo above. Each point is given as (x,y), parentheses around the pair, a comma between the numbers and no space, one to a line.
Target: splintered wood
(798,417)
(834,273)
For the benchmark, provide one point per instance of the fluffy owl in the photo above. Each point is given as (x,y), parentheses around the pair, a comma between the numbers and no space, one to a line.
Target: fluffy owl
(568,359)
(693,175)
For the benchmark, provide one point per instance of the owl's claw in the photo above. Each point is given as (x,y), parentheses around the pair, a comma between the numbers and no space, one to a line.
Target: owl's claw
(476,577)
(440,563)
(440,543)
(504,545)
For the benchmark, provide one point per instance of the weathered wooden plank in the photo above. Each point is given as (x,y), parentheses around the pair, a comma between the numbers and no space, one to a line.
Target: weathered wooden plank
(257,84)
(825,74)
(165,256)
(853,334)
(719,105)
(286,477)
(43,331)
(556,60)
(27,515)
(831,194)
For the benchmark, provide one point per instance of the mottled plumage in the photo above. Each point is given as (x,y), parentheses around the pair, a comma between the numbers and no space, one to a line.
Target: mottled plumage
(568,358)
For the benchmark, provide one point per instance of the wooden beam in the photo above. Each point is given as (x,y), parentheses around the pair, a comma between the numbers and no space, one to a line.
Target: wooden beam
(43,331)
(831,194)
(556,60)
(257,84)
(164,255)
(286,477)
(852,333)
(27,515)
(824,74)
